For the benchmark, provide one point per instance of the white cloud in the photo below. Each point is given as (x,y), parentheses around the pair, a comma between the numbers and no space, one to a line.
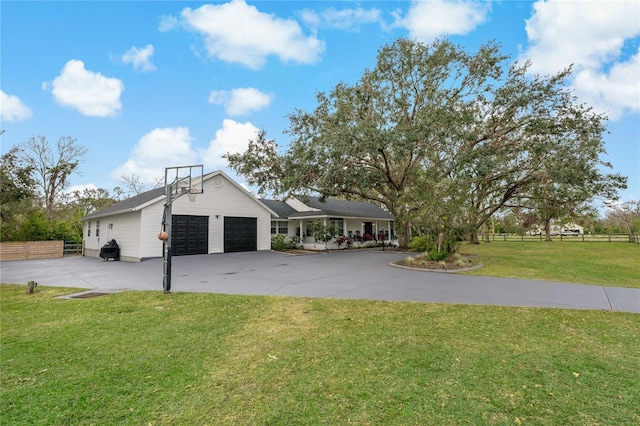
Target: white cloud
(89,92)
(79,188)
(612,92)
(232,138)
(241,101)
(590,35)
(160,148)
(12,108)
(238,33)
(427,20)
(140,58)
(343,19)
(167,23)
(587,33)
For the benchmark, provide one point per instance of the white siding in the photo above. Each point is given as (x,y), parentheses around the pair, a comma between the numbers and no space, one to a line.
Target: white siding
(125,231)
(220,197)
(91,242)
(150,226)
(137,232)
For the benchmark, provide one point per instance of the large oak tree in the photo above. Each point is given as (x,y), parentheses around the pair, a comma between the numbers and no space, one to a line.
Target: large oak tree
(433,133)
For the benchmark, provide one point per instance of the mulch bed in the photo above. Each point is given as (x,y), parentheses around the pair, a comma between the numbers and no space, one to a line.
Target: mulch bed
(421,262)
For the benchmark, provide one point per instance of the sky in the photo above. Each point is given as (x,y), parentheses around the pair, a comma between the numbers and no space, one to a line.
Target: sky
(146,85)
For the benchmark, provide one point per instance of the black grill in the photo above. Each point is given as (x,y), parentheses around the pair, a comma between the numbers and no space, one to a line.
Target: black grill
(111,250)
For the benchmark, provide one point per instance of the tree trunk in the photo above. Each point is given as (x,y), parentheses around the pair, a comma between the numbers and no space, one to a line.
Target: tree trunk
(547,229)
(402,226)
(404,233)
(473,237)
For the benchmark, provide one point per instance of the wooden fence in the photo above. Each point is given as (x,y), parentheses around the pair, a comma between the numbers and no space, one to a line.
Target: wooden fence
(31,250)
(606,238)
(72,249)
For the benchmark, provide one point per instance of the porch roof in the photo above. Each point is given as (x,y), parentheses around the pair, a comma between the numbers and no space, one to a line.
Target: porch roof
(282,209)
(330,207)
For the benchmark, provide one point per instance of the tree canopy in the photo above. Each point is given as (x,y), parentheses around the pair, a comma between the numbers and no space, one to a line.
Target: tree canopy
(441,137)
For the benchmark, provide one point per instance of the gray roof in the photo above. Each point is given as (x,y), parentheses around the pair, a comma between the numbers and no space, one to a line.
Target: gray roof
(282,209)
(330,207)
(129,204)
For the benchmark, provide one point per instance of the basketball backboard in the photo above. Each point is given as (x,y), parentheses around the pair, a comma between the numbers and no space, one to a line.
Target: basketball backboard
(180,180)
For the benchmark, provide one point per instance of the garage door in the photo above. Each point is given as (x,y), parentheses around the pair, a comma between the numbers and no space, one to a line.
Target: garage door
(189,235)
(240,234)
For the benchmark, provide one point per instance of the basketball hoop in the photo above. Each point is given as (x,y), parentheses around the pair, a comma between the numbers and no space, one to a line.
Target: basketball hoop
(178,181)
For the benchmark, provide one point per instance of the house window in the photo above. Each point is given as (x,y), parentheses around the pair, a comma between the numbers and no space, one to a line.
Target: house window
(283,227)
(97,228)
(338,224)
(279,227)
(88,229)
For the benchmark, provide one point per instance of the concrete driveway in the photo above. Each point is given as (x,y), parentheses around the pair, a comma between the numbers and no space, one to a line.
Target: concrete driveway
(348,274)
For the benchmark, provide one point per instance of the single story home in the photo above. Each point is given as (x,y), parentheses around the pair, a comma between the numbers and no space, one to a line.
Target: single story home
(360,221)
(224,218)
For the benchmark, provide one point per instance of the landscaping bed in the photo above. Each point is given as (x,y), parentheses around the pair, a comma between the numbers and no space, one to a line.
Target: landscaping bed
(454,262)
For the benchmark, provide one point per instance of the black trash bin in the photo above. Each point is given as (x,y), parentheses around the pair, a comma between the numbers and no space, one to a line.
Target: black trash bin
(111,250)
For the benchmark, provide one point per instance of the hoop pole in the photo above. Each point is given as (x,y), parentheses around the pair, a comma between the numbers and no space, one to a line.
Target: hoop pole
(166,248)
(172,191)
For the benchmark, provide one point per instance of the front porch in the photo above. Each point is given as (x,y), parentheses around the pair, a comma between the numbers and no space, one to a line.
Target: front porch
(350,232)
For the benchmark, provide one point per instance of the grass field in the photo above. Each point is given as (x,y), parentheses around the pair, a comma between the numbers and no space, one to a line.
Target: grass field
(600,263)
(144,358)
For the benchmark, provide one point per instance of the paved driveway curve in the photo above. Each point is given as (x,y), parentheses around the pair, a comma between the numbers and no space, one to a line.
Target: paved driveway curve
(347,274)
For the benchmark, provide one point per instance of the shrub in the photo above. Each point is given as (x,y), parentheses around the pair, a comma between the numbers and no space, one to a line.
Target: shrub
(434,255)
(294,242)
(279,242)
(282,242)
(420,244)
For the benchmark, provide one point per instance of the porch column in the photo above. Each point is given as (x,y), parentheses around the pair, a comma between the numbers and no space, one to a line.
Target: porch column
(302,231)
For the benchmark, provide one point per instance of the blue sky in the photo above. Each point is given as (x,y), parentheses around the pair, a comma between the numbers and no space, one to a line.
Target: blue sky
(145,85)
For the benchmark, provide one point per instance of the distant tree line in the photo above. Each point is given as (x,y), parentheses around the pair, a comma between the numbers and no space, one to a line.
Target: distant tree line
(35,201)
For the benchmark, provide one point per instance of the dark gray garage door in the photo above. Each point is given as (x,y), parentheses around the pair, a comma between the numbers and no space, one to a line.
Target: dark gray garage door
(240,234)
(189,235)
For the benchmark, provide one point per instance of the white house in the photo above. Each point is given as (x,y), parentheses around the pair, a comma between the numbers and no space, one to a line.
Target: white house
(360,221)
(224,218)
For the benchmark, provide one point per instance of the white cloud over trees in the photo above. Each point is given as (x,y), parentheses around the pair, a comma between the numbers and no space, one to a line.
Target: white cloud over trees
(173,146)
(426,20)
(160,148)
(233,137)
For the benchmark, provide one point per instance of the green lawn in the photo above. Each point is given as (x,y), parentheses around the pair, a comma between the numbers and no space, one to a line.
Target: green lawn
(601,263)
(144,358)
